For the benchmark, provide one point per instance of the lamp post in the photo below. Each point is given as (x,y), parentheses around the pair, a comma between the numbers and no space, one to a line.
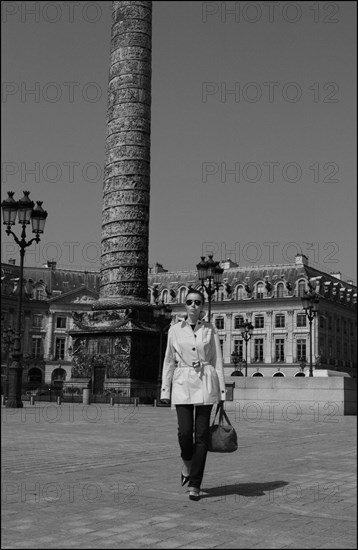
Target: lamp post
(310,305)
(236,359)
(163,314)
(26,212)
(209,271)
(246,333)
(8,339)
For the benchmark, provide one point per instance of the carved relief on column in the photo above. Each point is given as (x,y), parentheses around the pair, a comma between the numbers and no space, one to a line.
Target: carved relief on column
(125,220)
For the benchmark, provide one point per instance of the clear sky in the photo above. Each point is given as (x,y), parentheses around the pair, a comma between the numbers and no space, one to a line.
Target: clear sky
(253,130)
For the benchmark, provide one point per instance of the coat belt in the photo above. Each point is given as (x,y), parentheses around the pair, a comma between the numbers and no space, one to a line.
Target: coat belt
(202,364)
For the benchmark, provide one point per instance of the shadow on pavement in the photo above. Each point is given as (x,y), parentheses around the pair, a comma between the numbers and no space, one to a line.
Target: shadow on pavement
(243,489)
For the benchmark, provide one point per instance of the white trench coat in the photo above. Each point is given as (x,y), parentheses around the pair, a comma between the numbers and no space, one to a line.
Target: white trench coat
(185,384)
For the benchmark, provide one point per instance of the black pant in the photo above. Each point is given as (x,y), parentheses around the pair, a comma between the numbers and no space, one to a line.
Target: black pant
(193,435)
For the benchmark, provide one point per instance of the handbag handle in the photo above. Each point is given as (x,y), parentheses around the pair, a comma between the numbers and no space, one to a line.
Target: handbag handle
(222,414)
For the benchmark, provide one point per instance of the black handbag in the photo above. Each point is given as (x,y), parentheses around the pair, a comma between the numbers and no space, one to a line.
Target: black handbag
(222,438)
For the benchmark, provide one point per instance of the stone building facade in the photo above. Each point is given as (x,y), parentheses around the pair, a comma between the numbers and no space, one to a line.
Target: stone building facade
(269,296)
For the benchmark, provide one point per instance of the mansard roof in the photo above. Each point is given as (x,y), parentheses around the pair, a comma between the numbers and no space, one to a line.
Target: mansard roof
(249,275)
(58,279)
(64,281)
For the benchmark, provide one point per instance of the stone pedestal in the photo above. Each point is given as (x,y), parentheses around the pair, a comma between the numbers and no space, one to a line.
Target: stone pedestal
(116,351)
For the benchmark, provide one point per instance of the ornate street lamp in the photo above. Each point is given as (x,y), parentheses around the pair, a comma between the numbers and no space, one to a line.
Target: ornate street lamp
(246,333)
(163,315)
(236,359)
(310,305)
(212,272)
(26,212)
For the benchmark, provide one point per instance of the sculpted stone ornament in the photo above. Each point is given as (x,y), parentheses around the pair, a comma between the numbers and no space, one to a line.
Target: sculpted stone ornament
(93,319)
(81,368)
(120,368)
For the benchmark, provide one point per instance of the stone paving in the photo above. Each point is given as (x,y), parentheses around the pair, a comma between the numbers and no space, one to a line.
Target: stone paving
(96,476)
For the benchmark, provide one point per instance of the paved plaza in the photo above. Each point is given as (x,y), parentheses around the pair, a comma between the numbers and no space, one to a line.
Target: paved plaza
(98,476)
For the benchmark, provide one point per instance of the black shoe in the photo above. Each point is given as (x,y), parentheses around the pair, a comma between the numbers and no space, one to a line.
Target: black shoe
(184,479)
(194,493)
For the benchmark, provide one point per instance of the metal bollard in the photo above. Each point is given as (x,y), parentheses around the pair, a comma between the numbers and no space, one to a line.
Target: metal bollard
(58,400)
(136,401)
(32,400)
(111,401)
(86,396)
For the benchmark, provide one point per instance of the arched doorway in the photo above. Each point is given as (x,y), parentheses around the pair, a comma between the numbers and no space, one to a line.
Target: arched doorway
(278,373)
(34,378)
(58,377)
(300,374)
(257,374)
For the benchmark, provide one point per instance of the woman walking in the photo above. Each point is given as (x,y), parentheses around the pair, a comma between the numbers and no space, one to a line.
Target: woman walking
(193,377)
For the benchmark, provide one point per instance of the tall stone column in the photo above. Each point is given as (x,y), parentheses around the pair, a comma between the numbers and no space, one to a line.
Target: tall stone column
(116,345)
(125,219)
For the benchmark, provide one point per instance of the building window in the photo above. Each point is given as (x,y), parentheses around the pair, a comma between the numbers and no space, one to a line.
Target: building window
(61,322)
(279,349)
(259,349)
(301,349)
(330,347)
(260,291)
(338,348)
(301,288)
(219,323)
(36,346)
(222,345)
(37,320)
(259,321)
(39,294)
(60,348)
(338,325)
(329,322)
(322,322)
(279,320)
(301,319)
(238,348)
(238,321)
(182,295)
(239,293)
(165,296)
(345,350)
(280,290)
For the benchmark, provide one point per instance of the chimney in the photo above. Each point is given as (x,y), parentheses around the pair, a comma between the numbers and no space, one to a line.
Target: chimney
(337,275)
(228,264)
(12,261)
(301,259)
(51,264)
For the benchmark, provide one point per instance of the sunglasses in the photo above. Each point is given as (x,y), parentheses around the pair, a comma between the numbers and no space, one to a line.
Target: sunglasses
(196,302)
